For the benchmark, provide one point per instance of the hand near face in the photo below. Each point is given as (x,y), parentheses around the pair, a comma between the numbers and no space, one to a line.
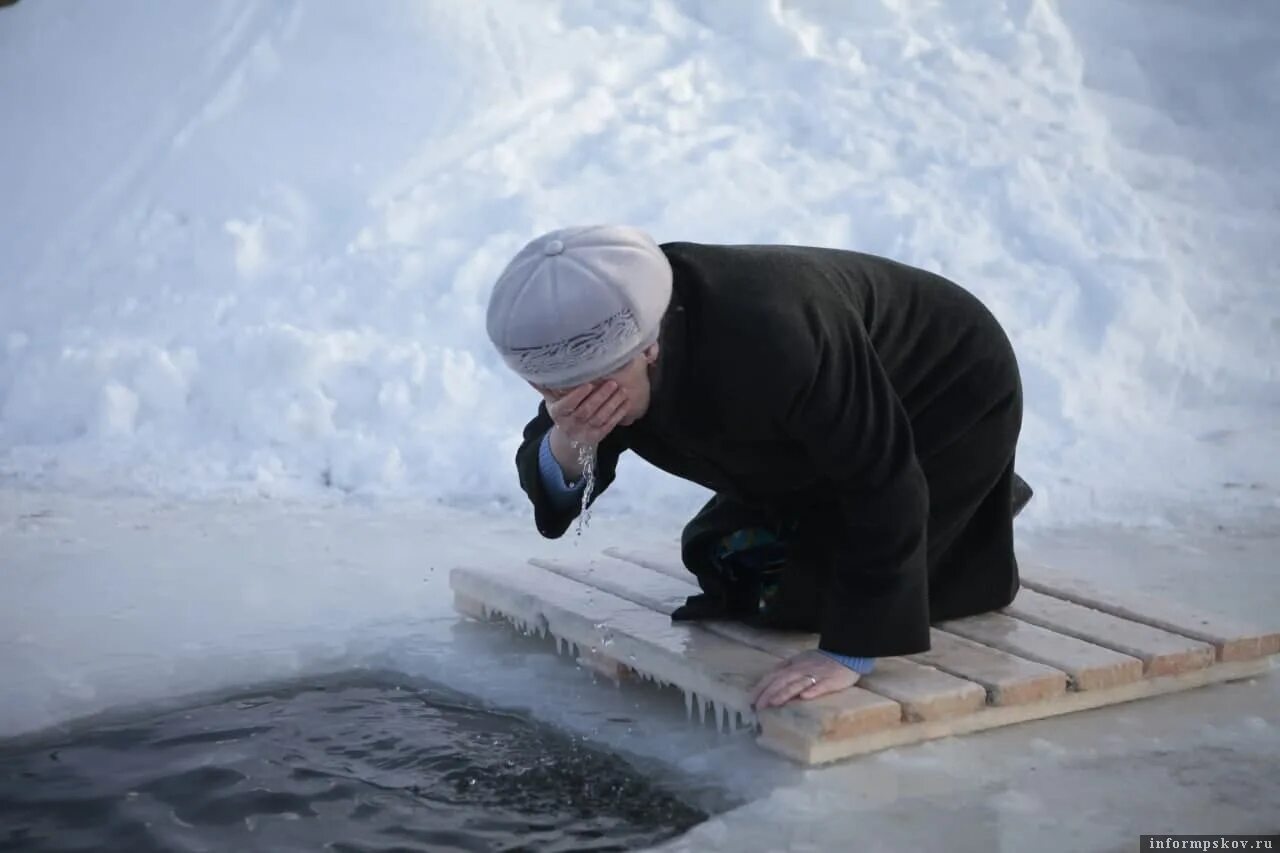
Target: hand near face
(807,675)
(586,413)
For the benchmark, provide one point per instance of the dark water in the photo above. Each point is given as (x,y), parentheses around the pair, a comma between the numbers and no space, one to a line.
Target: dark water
(341,766)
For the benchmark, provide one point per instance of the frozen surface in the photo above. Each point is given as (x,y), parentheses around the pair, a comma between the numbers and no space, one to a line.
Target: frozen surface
(137,601)
(249,416)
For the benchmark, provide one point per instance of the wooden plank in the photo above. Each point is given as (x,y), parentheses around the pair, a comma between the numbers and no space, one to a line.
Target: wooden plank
(820,752)
(1232,638)
(1009,680)
(1161,652)
(923,692)
(641,586)
(832,733)
(665,562)
(1088,666)
(711,666)
(469,606)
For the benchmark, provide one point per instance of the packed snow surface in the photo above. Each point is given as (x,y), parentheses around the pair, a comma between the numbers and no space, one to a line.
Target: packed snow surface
(247,246)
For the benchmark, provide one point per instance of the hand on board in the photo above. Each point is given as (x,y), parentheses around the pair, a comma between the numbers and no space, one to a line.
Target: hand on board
(807,675)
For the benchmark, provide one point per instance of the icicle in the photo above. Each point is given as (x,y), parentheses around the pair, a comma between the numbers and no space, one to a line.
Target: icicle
(724,719)
(559,645)
(688,706)
(702,712)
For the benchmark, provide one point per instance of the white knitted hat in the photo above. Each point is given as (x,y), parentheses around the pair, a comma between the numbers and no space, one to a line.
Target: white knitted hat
(578,303)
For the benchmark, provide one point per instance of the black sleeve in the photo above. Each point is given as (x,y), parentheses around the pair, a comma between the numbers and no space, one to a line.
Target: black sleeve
(552,522)
(845,412)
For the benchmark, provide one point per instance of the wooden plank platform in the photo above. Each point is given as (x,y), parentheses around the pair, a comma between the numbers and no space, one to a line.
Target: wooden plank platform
(1089,667)
(1008,679)
(924,692)
(643,640)
(1233,639)
(1046,654)
(1161,652)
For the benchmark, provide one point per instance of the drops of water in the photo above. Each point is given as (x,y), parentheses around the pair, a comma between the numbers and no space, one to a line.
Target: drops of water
(587,459)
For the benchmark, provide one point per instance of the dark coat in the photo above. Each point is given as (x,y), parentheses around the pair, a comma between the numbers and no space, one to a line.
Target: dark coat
(875,405)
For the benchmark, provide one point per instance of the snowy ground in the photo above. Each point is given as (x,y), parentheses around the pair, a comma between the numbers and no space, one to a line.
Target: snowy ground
(249,417)
(247,246)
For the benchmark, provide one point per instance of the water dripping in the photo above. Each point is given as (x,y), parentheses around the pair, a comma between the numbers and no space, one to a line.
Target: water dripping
(587,459)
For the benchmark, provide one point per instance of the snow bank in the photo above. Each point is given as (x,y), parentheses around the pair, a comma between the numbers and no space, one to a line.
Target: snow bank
(247,246)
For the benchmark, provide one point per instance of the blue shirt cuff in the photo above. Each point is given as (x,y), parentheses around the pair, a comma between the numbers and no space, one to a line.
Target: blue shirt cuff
(862,666)
(553,480)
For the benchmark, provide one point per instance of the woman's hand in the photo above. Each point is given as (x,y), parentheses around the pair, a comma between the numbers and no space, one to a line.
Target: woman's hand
(807,675)
(583,416)
(586,413)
